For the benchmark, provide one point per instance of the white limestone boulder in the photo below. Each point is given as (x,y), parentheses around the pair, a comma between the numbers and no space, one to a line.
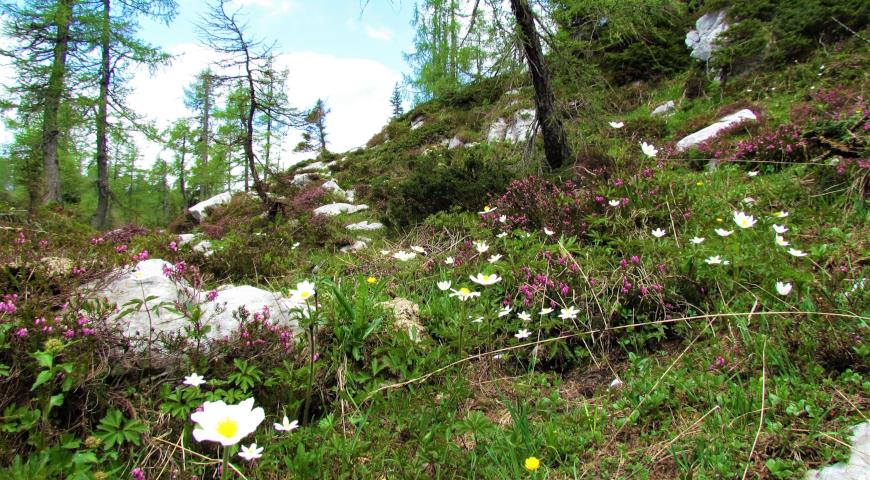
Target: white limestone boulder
(417,122)
(333,187)
(858,466)
(302,178)
(334,209)
(520,128)
(665,109)
(455,142)
(356,246)
(497,131)
(702,40)
(365,226)
(198,210)
(186,238)
(204,247)
(724,123)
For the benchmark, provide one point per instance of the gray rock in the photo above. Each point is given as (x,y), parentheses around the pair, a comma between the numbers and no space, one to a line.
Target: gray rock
(302,178)
(357,245)
(316,166)
(338,208)
(858,466)
(351,195)
(365,226)
(711,131)
(333,187)
(455,142)
(702,40)
(204,247)
(520,128)
(665,108)
(186,238)
(417,122)
(198,210)
(497,131)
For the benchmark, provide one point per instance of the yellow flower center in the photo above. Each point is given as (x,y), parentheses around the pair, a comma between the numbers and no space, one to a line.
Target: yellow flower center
(227,428)
(371,280)
(532,464)
(486,278)
(700,184)
(464,291)
(305,294)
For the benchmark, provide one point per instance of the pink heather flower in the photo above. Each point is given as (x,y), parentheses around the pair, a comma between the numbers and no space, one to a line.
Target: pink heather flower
(137,474)
(97,240)
(43,244)
(618,182)
(718,363)
(212,295)
(173,246)
(121,248)
(635,259)
(21,333)
(141,256)
(69,333)
(21,240)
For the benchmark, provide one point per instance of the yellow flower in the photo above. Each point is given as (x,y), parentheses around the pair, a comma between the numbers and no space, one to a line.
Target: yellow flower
(719,220)
(371,280)
(532,464)
(699,183)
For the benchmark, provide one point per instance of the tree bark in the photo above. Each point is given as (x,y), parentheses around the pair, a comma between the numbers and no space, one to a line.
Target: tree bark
(206,118)
(101,215)
(53,96)
(181,184)
(555,141)
(249,136)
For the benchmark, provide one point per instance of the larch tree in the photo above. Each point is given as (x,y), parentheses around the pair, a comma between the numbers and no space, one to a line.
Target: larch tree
(199,97)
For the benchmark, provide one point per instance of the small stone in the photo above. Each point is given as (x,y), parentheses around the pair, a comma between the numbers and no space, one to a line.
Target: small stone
(407,315)
(665,108)
(334,209)
(365,226)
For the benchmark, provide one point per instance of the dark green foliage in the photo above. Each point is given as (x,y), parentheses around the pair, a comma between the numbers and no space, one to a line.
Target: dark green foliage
(441,181)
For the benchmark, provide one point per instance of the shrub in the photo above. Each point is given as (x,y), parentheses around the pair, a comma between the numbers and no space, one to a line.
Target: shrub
(534,203)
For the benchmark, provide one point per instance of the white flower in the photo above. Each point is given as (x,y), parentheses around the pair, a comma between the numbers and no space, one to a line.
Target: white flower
(614,203)
(501,235)
(295,246)
(420,250)
(481,246)
(304,290)
(723,233)
(617,125)
(743,220)
(648,150)
(404,256)
(485,279)
(659,233)
(226,424)
(569,313)
(548,232)
(717,260)
(779,228)
(523,333)
(449,261)
(286,425)
(251,452)
(753,173)
(545,311)
(494,258)
(502,219)
(697,240)
(525,316)
(616,383)
(505,311)
(464,294)
(796,252)
(783,288)
(444,285)
(781,241)
(749,200)
(194,380)
(477,320)
(781,214)
(385,252)
(487,209)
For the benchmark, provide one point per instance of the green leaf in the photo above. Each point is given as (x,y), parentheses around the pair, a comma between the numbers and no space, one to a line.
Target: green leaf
(43,377)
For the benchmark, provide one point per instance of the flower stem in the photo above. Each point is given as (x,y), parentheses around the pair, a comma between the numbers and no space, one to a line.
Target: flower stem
(226,460)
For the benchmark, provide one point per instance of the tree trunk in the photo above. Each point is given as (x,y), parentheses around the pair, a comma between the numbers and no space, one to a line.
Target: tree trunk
(181,184)
(102,212)
(206,117)
(249,137)
(555,141)
(53,95)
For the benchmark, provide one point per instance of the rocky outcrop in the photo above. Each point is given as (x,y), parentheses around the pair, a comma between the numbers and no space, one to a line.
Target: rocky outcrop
(702,40)
(665,109)
(356,246)
(407,317)
(707,133)
(858,466)
(520,129)
(198,210)
(365,226)
(334,209)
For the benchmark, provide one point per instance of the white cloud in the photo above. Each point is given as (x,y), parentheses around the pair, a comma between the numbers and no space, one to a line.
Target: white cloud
(357,91)
(280,5)
(379,33)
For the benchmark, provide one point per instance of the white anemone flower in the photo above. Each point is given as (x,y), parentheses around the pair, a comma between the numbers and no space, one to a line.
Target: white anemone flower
(753,173)
(481,246)
(444,285)
(485,279)
(525,316)
(659,232)
(743,220)
(226,424)
(501,235)
(716,260)
(523,333)
(781,214)
(617,125)
(194,380)
(494,258)
(723,233)
(304,290)
(797,253)
(697,240)
(783,288)
(286,425)
(781,241)
(477,320)
(418,249)
(251,452)
(614,203)
(464,294)
(404,256)
(295,246)
(502,219)
(569,313)
(505,311)
(548,232)
(545,311)
(648,150)
(449,261)
(780,229)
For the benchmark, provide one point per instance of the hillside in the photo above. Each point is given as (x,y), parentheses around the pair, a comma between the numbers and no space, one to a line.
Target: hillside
(687,299)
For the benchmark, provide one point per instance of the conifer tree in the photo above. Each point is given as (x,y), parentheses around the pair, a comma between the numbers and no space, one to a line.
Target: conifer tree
(396,101)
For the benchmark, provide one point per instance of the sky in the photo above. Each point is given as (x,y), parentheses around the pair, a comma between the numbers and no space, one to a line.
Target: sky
(349,56)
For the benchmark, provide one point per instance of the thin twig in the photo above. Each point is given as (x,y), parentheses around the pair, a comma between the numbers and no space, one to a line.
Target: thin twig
(763,398)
